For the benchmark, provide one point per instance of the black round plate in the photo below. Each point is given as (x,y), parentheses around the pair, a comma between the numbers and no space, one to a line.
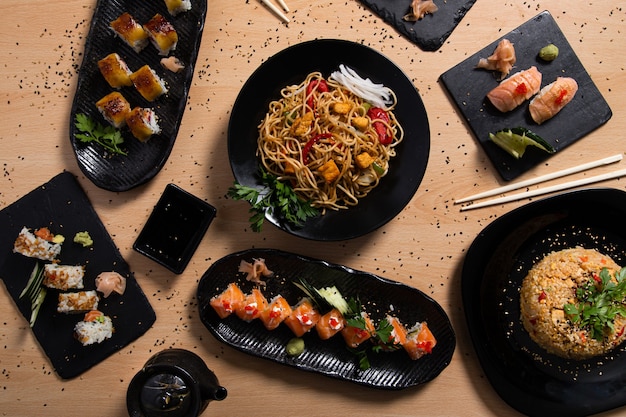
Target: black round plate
(291,66)
(389,370)
(524,374)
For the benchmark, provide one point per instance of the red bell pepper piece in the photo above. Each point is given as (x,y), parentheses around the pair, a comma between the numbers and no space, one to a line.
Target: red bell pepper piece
(310,143)
(320,85)
(381,129)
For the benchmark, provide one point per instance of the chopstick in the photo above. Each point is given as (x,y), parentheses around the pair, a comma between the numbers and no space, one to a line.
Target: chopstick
(545,190)
(547,177)
(283,5)
(276,10)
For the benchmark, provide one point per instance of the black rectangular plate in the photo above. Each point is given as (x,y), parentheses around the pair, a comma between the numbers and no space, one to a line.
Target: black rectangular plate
(62,205)
(428,33)
(144,160)
(469,86)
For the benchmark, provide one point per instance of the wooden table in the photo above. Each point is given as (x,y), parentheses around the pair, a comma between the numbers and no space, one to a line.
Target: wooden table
(424,246)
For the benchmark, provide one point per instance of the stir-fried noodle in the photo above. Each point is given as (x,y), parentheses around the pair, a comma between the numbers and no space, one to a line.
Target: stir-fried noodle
(330,144)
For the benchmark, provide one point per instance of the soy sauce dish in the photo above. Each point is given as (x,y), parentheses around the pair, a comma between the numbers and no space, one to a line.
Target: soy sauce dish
(175,228)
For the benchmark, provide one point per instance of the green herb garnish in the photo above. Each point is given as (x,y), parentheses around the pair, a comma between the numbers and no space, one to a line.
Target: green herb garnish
(106,136)
(599,302)
(516,140)
(276,197)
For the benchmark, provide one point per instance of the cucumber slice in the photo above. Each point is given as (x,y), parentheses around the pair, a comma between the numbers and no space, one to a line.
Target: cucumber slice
(36,305)
(515,140)
(34,282)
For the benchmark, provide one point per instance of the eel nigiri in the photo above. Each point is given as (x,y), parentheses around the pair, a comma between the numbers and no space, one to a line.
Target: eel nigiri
(277,311)
(228,301)
(516,89)
(419,341)
(252,306)
(303,317)
(330,324)
(552,98)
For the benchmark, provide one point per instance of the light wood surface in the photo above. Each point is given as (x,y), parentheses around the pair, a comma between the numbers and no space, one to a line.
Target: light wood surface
(424,246)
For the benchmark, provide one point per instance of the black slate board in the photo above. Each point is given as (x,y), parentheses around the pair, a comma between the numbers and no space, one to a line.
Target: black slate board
(469,86)
(389,370)
(428,33)
(144,160)
(62,205)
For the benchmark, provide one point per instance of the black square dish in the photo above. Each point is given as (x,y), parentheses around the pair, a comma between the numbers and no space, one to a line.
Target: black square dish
(175,228)
(469,86)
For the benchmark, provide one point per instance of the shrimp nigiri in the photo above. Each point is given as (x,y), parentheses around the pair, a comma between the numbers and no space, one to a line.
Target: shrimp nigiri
(303,317)
(552,98)
(419,341)
(228,301)
(516,89)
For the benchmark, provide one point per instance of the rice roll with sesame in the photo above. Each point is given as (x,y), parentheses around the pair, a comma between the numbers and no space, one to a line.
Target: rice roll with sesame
(303,317)
(130,31)
(175,7)
(228,301)
(77,302)
(148,83)
(63,277)
(115,71)
(29,244)
(114,108)
(252,306)
(143,123)
(94,328)
(277,311)
(162,34)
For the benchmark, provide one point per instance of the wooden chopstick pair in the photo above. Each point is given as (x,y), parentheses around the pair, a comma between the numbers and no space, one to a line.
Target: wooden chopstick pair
(276,10)
(544,190)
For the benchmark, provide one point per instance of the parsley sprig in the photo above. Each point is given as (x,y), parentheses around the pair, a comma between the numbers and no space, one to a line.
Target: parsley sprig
(599,302)
(106,136)
(276,198)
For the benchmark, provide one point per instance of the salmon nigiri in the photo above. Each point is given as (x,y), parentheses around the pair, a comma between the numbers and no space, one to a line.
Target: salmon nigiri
(355,335)
(277,311)
(330,324)
(303,317)
(252,306)
(552,98)
(228,301)
(419,341)
(516,89)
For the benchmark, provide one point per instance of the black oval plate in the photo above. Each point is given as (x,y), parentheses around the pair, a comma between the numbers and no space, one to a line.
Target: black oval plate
(291,66)
(62,205)
(525,375)
(144,160)
(392,371)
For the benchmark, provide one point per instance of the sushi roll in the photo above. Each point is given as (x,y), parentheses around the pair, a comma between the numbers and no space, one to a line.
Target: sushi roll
(29,244)
(276,312)
(177,6)
(63,277)
(552,98)
(115,71)
(419,341)
(397,336)
(162,34)
(303,317)
(228,301)
(516,89)
(143,123)
(148,83)
(252,306)
(78,302)
(330,324)
(355,335)
(131,32)
(114,108)
(94,328)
